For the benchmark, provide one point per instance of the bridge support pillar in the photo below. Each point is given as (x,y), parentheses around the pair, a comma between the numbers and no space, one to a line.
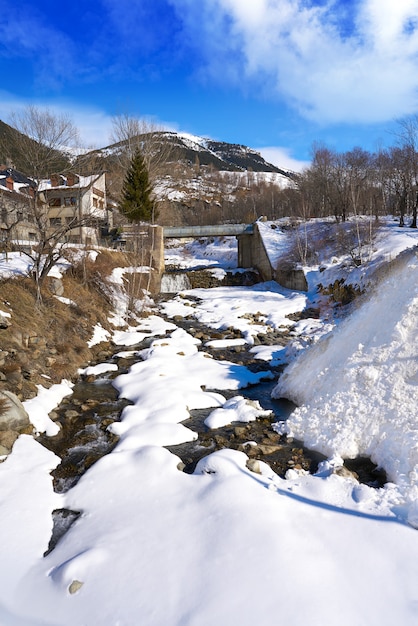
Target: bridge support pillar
(245,255)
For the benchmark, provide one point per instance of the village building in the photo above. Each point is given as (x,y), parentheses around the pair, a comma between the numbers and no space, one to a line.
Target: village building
(17,192)
(81,200)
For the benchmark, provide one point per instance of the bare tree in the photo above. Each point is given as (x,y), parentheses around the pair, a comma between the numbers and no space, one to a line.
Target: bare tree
(44,140)
(408,141)
(132,133)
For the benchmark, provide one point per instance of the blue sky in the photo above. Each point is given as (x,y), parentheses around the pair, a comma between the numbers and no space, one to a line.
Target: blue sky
(276,75)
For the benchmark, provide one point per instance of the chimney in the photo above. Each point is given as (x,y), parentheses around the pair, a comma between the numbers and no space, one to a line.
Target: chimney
(9,183)
(55,180)
(72,179)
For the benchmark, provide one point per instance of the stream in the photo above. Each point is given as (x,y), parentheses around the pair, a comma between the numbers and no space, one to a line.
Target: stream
(85,415)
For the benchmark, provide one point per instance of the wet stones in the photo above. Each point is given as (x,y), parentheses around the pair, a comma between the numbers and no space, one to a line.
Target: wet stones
(83,437)
(256,439)
(62,520)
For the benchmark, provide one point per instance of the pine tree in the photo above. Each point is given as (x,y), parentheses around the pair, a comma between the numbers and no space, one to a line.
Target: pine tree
(136,203)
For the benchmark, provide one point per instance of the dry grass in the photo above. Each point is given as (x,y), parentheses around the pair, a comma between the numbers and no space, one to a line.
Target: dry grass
(93,274)
(62,330)
(51,337)
(10,368)
(340,293)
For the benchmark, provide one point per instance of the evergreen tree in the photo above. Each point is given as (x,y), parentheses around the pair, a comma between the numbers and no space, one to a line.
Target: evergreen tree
(136,203)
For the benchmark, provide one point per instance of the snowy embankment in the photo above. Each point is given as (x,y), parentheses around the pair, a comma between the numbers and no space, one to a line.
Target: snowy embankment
(357,389)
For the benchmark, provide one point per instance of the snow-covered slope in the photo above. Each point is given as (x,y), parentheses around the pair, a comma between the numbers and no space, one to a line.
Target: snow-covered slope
(357,389)
(187,148)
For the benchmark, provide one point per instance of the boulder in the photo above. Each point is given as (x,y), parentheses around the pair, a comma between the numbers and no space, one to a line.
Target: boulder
(14,421)
(13,415)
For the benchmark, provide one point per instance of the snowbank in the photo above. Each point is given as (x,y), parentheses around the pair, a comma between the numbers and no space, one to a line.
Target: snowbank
(358,387)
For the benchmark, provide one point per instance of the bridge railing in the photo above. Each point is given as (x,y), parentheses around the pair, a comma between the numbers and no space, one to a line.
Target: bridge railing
(218,230)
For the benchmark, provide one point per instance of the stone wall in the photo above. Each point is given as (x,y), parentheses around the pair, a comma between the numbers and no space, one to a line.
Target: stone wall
(291,279)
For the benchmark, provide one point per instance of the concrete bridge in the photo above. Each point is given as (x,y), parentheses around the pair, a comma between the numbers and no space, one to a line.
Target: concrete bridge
(243,232)
(252,252)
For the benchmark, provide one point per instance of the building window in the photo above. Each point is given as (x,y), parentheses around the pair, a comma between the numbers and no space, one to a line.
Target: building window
(95,203)
(70,201)
(55,202)
(54,222)
(32,236)
(70,220)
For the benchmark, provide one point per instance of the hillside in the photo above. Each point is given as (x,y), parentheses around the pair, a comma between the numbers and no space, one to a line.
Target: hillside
(195,180)
(12,154)
(192,150)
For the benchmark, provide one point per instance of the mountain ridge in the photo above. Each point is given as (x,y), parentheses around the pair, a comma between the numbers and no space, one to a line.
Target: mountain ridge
(192,149)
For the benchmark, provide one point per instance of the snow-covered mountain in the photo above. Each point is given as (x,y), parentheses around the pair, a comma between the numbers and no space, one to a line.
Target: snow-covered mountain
(195,179)
(192,150)
(221,155)
(200,180)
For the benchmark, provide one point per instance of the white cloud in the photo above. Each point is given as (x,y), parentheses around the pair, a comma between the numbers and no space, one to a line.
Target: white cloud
(332,61)
(94,124)
(282,157)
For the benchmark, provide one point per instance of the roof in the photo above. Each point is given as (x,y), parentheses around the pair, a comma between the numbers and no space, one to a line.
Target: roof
(16,176)
(83,183)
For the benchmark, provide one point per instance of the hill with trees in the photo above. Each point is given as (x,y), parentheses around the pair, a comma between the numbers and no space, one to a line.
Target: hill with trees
(196,181)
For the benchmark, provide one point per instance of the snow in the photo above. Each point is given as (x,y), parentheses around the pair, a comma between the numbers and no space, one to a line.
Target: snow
(83,182)
(236,409)
(225,343)
(100,368)
(275,354)
(222,307)
(147,327)
(99,334)
(276,242)
(66,300)
(358,388)
(161,400)
(155,545)
(219,253)
(46,400)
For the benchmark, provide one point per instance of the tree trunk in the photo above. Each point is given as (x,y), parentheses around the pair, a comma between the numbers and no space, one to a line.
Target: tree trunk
(414,213)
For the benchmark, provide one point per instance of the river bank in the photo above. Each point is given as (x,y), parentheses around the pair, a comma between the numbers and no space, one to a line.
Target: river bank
(149,542)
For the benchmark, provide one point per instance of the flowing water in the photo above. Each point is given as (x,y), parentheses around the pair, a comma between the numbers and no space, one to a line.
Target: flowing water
(174,282)
(84,437)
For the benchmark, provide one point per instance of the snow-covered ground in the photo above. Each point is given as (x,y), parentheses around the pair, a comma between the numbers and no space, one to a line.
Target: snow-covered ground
(158,547)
